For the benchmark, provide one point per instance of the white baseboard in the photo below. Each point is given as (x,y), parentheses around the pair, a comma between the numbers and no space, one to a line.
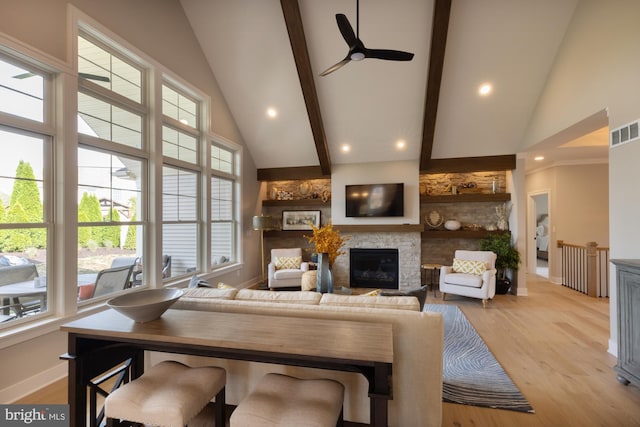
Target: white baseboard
(556,280)
(29,385)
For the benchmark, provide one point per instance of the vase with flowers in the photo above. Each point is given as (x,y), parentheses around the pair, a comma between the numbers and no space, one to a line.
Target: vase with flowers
(328,244)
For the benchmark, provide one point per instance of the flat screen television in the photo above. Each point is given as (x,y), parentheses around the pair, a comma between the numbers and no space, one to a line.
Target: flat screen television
(374,200)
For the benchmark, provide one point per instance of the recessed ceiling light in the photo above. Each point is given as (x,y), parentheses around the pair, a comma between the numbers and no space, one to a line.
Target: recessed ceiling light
(272,113)
(538,158)
(345,148)
(485,89)
(401,144)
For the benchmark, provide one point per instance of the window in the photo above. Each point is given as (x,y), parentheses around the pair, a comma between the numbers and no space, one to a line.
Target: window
(111,172)
(223,201)
(25,202)
(181,192)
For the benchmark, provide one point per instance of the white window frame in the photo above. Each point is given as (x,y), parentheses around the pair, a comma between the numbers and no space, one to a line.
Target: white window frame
(236,177)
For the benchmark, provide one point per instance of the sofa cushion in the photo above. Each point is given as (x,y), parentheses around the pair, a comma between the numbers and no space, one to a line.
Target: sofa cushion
(392,302)
(288,262)
(288,274)
(464,279)
(216,293)
(469,266)
(293,297)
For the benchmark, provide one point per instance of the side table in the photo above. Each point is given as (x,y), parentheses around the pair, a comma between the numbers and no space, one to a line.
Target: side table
(433,271)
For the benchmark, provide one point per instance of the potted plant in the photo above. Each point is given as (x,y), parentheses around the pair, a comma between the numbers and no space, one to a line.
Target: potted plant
(508,258)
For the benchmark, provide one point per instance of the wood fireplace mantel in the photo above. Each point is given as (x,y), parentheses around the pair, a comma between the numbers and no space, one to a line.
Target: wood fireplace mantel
(379,228)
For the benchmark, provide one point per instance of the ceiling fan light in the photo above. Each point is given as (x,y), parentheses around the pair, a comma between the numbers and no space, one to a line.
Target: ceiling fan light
(357,56)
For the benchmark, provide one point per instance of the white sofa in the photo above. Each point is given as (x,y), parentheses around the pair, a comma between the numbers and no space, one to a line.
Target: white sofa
(417,347)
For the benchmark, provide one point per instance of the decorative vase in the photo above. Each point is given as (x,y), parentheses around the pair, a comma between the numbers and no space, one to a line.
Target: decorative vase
(314,257)
(503,225)
(324,283)
(452,225)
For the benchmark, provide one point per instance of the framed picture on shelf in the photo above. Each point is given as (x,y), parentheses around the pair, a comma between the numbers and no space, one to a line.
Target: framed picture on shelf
(300,220)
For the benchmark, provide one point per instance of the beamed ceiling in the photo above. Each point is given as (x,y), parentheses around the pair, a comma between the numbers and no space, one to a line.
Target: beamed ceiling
(270,53)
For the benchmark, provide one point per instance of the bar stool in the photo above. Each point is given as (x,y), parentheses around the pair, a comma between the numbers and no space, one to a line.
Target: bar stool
(169,394)
(283,401)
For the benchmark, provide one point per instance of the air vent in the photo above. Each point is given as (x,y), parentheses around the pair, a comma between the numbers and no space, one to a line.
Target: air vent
(627,133)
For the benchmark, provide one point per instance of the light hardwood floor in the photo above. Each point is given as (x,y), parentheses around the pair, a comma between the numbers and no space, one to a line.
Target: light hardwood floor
(552,343)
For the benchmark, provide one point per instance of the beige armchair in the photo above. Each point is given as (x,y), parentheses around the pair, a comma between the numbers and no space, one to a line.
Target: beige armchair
(286,268)
(473,274)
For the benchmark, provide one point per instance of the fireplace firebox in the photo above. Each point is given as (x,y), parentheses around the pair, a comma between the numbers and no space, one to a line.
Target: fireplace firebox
(373,268)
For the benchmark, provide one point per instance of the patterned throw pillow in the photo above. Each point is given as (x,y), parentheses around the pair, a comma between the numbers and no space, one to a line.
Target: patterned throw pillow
(222,285)
(469,267)
(372,293)
(288,262)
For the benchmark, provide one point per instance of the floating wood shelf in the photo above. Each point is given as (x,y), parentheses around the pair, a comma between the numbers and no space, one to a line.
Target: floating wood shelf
(297,202)
(286,233)
(466,198)
(459,234)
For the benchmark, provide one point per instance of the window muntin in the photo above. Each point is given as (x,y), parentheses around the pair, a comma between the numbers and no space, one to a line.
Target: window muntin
(24,227)
(179,145)
(109,122)
(179,107)
(21,91)
(108,70)
(221,159)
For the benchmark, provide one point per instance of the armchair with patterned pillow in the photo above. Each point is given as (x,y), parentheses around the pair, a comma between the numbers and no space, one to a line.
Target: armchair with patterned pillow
(473,274)
(286,268)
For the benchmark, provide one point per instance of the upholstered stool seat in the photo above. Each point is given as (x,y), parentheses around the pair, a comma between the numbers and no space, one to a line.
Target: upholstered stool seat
(169,394)
(283,401)
(309,279)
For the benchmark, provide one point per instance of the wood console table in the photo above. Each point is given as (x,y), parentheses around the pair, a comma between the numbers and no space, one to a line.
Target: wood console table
(103,340)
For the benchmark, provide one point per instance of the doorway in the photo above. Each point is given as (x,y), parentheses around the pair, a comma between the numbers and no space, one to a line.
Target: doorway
(540,230)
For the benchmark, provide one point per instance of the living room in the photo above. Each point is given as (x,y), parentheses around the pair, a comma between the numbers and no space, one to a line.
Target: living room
(578,85)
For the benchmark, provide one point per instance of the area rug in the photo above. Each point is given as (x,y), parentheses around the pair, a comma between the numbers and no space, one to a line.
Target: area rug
(471,374)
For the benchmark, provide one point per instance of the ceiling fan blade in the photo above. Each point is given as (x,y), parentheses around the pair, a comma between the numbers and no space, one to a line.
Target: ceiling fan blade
(346,30)
(335,67)
(390,55)
(94,77)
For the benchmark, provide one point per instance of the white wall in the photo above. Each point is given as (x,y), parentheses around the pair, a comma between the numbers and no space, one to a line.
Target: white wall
(579,206)
(160,29)
(406,172)
(597,67)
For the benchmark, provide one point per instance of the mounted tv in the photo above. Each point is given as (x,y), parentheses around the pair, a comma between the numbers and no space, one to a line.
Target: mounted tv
(374,200)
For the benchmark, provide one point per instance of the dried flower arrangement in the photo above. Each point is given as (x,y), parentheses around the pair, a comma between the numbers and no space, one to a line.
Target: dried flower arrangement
(327,240)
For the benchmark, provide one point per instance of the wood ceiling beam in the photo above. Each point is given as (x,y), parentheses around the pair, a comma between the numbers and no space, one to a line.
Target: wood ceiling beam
(471,164)
(291,12)
(439,31)
(292,173)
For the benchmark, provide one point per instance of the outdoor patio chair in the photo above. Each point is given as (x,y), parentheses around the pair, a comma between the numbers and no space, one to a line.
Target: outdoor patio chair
(112,280)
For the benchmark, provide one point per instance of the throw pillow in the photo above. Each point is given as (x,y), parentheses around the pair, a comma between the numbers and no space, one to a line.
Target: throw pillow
(288,263)
(224,286)
(374,293)
(469,267)
(420,294)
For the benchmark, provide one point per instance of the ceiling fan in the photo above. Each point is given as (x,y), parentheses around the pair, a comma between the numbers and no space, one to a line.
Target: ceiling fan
(357,50)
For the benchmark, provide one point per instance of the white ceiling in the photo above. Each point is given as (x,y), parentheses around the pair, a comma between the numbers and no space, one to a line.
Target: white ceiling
(372,104)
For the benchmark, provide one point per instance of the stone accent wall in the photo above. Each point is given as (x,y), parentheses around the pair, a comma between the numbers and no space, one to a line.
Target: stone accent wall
(440,183)
(440,251)
(408,245)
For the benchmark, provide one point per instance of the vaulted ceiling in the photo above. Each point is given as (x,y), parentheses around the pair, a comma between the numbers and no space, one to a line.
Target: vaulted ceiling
(268,54)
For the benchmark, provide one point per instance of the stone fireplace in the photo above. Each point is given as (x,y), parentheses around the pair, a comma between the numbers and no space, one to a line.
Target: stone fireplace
(406,243)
